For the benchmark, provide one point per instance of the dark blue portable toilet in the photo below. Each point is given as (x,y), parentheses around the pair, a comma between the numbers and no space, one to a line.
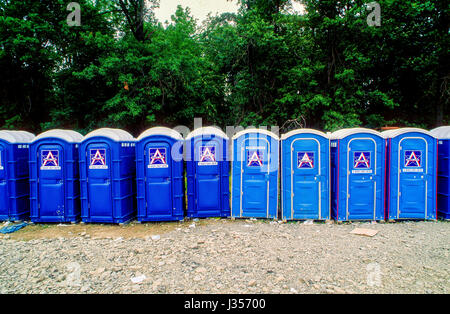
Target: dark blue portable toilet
(14,185)
(255,174)
(54,177)
(107,174)
(443,180)
(411,167)
(159,175)
(305,175)
(357,174)
(208,173)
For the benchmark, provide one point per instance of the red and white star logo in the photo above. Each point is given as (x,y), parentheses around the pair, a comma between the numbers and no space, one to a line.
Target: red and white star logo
(413,160)
(207,155)
(157,158)
(306,162)
(255,159)
(98,159)
(362,160)
(50,160)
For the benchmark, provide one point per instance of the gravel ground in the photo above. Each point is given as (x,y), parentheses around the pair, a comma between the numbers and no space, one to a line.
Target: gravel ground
(226,256)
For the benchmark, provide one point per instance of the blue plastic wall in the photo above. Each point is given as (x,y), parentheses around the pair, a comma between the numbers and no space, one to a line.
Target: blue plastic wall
(107,176)
(255,176)
(443,186)
(357,189)
(54,190)
(208,178)
(305,169)
(411,189)
(160,180)
(14,185)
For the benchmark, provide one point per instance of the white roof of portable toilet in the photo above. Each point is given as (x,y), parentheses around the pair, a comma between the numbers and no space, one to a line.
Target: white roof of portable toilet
(27,135)
(16,136)
(159,130)
(114,134)
(395,132)
(340,134)
(442,132)
(303,131)
(254,130)
(66,135)
(208,130)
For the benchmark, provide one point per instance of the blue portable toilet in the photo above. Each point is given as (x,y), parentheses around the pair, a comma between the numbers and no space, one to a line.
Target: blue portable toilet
(443,180)
(255,174)
(54,177)
(14,185)
(305,175)
(411,168)
(107,174)
(357,174)
(208,178)
(159,175)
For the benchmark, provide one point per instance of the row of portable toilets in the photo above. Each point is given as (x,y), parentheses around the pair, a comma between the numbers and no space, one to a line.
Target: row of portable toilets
(351,174)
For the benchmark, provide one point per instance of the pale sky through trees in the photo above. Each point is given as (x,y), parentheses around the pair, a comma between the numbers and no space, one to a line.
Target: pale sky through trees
(201,8)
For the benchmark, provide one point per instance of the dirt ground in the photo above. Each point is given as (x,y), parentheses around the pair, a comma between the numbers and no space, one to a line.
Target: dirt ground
(227,256)
(99,231)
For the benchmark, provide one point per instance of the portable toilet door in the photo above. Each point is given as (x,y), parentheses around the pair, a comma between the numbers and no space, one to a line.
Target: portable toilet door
(255,174)
(208,179)
(443,180)
(14,185)
(54,177)
(305,175)
(159,175)
(412,161)
(358,174)
(107,173)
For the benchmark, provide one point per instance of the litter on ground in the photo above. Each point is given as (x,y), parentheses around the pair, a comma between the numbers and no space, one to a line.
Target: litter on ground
(13,228)
(364,232)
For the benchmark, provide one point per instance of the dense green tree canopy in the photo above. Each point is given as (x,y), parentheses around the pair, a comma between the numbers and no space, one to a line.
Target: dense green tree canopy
(326,68)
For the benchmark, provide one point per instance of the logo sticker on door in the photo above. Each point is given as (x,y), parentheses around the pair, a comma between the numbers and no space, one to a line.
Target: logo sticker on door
(305,160)
(157,158)
(361,162)
(98,159)
(255,158)
(207,156)
(413,161)
(50,160)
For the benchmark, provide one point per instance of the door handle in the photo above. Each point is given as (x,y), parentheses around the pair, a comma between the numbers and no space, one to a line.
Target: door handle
(319,178)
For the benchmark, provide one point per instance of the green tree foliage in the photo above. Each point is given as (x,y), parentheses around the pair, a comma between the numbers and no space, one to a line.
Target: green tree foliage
(263,65)
(163,78)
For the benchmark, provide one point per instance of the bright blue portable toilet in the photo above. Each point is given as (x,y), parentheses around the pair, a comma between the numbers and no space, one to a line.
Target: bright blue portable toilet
(305,175)
(255,174)
(159,175)
(443,180)
(54,177)
(411,167)
(208,178)
(357,174)
(107,176)
(14,185)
